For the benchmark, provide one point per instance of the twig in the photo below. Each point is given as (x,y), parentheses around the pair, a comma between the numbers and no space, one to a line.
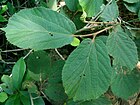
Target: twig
(6,51)
(59,54)
(27,54)
(83,35)
(107,28)
(31,98)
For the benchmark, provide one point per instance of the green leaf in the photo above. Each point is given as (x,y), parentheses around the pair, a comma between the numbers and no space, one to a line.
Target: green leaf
(2,19)
(3,97)
(91,7)
(38,101)
(13,100)
(122,48)
(46,29)
(38,63)
(8,84)
(87,71)
(30,85)
(25,98)
(18,72)
(75,42)
(133,7)
(72,4)
(56,93)
(4,8)
(54,90)
(110,12)
(131,1)
(125,84)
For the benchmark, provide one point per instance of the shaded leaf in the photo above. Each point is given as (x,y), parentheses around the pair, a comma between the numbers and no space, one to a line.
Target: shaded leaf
(122,48)
(72,4)
(110,12)
(87,72)
(46,29)
(125,84)
(25,98)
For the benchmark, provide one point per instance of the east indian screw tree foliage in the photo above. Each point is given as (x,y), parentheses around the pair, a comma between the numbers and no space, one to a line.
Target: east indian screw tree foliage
(73,52)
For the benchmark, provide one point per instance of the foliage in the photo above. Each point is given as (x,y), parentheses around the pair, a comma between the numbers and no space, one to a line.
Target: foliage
(74,52)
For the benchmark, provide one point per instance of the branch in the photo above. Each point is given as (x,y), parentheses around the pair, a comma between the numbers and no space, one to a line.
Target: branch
(107,28)
(59,54)
(13,50)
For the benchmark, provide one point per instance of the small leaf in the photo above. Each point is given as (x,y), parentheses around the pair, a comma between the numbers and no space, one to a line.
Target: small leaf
(46,29)
(2,19)
(87,71)
(91,7)
(122,48)
(125,84)
(8,84)
(111,12)
(3,97)
(18,72)
(75,42)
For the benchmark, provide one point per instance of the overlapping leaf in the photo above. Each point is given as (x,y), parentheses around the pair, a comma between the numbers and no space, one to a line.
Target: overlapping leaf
(122,48)
(125,84)
(91,7)
(72,4)
(86,73)
(39,28)
(110,12)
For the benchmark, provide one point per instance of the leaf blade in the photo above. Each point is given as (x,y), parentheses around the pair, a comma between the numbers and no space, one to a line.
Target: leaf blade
(82,71)
(39,28)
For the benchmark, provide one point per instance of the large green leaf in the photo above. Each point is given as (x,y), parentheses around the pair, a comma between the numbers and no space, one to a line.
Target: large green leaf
(110,12)
(39,28)
(18,72)
(91,7)
(125,84)
(87,72)
(122,48)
